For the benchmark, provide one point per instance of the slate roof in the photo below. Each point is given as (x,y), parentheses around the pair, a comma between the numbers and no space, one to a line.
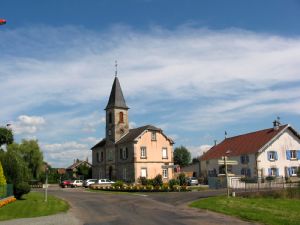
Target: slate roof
(134,133)
(116,98)
(100,144)
(76,164)
(243,144)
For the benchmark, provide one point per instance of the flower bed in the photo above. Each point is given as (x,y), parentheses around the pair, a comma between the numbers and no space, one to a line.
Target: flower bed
(6,201)
(140,188)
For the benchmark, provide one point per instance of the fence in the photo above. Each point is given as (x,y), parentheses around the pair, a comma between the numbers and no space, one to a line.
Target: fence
(6,190)
(236,183)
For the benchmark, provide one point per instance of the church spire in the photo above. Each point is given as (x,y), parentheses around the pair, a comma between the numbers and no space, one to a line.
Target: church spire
(116,98)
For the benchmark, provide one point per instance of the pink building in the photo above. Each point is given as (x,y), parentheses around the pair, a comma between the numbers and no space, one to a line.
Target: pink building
(127,154)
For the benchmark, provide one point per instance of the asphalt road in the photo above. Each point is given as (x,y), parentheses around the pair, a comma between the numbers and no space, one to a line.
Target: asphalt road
(92,208)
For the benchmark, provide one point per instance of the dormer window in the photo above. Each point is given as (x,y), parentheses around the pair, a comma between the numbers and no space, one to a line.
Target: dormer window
(153,136)
(121,117)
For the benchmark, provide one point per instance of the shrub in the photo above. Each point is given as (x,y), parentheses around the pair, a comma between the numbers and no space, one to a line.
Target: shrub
(119,184)
(157,181)
(142,180)
(270,178)
(20,189)
(173,182)
(182,179)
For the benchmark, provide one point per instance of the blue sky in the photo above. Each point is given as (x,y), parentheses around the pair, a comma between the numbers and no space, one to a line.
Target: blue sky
(193,68)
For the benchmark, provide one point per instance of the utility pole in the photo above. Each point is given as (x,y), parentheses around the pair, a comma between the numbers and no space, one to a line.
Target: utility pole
(226,173)
(46,188)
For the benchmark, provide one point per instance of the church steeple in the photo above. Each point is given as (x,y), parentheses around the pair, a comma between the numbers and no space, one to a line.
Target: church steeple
(117,123)
(116,98)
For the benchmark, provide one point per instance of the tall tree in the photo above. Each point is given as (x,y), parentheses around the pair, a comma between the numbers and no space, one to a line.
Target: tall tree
(32,155)
(182,156)
(6,136)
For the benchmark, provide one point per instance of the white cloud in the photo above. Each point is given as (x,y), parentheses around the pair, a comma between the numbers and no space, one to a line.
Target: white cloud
(27,124)
(197,151)
(182,80)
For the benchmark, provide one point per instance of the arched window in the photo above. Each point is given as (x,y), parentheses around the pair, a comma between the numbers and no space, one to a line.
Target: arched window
(121,117)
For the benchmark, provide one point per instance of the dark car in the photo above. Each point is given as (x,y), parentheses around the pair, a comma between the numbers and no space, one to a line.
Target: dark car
(66,183)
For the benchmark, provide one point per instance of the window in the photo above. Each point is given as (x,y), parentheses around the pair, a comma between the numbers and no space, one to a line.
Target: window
(153,136)
(244,159)
(121,117)
(222,169)
(143,153)
(125,153)
(272,156)
(274,172)
(165,173)
(124,173)
(292,154)
(164,153)
(110,118)
(246,172)
(144,172)
(101,158)
(292,171)
(97,157)
(110,155)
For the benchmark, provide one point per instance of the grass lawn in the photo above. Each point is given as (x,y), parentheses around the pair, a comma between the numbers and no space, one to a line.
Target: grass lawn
(33,205)
(265,210)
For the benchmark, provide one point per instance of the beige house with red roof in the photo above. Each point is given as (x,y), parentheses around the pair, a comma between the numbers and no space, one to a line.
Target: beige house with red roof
(270,152)
(127,154)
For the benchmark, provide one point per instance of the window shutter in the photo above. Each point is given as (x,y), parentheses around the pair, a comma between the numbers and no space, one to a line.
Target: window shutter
(121,156)
(298,154)
(277,172)
(276,155)
(248,172)
(126,153)
(247,158)
(242,171)
(289,171)
(269,156)
(288,154)
(269,171)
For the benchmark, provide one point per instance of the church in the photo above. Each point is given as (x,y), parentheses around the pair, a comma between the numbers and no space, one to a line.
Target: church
(128,154)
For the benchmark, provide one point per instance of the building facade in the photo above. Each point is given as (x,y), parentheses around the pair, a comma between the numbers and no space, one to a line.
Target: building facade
(270,152)
(127,154)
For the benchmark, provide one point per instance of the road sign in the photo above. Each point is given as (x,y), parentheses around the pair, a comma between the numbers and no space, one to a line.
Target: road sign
(228,162)
(168,166)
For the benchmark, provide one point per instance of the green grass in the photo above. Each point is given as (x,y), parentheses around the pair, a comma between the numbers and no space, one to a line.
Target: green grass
(33,205)
(265,210)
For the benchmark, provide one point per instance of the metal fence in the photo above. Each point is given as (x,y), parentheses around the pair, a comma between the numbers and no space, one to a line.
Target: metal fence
(237,183)
(6,190)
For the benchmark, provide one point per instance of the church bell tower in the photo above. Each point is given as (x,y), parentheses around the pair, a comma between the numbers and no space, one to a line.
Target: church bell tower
(117,123)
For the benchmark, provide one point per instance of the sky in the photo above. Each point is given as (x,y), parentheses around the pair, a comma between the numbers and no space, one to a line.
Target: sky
(193,68)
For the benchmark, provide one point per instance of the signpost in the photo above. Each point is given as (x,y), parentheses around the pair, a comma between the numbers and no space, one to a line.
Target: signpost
(226,162)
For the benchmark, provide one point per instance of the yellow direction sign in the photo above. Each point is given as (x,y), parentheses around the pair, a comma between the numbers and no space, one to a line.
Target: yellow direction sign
(228,162)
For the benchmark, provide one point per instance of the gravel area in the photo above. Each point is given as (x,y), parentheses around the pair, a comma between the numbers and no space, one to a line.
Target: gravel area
(58,219)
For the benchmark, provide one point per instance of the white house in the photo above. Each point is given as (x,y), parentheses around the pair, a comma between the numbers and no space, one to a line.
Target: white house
(270,152)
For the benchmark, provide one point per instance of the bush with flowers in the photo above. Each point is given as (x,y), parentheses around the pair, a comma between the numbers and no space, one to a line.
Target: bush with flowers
(6,201)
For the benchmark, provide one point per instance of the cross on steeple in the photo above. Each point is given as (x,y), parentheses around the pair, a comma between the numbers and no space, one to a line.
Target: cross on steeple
(116,65)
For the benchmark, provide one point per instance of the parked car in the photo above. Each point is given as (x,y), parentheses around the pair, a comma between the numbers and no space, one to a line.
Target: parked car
(66,183)
(77,183)
(192,181)
(104,181)
(88,182)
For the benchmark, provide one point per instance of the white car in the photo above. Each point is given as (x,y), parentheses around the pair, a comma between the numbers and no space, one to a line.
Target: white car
(88,182)
(77,183)
(104,181)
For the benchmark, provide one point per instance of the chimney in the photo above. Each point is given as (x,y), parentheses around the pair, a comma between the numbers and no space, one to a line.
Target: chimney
(276,123)
(225,134)
(215,141)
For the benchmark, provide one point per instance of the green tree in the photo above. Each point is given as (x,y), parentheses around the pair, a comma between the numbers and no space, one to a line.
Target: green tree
(32,155)
(16,171)
(6,136)
(85,171)
(2,177)
(182,156)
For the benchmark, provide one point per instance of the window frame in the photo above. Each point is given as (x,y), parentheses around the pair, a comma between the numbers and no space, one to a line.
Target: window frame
(293,154)
(165,173)
(164,149)
(153,136)
(143,151)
